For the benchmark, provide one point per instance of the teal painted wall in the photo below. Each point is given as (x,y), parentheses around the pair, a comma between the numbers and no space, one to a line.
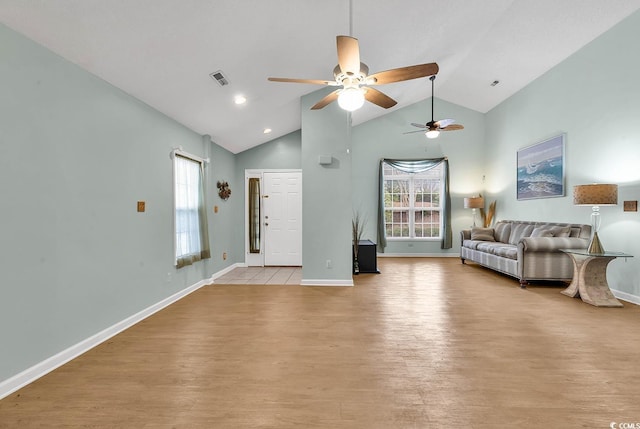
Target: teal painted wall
(77,154)
(281,153)
(384,138)
(593,97)
(326,190)
(222,224)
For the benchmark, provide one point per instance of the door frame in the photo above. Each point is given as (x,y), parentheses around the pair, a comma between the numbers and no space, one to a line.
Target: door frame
(257,259)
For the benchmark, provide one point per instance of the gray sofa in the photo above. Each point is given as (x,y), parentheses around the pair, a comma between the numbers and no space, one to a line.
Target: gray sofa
(525,250)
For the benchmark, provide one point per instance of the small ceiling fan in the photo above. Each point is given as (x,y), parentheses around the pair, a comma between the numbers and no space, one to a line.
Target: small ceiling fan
(432,127)
(355,81)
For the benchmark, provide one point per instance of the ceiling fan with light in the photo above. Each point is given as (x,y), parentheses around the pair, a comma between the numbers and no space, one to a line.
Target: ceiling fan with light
(355,81)
(432,128)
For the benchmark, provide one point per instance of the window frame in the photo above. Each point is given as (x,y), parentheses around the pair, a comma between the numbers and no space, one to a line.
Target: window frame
(412,209)
(201,253)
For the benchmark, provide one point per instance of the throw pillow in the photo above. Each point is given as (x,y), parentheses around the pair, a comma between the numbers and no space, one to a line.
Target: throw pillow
(551,231)
(482,234)
(502,232)
(561,231)
(518,231)
(541,232)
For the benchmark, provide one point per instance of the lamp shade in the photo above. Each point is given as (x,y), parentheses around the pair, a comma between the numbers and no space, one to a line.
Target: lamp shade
(473,203)
(595,195)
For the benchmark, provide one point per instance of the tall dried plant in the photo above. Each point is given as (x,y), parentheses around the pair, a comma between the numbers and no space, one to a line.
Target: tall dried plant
(357,229)
(487,217)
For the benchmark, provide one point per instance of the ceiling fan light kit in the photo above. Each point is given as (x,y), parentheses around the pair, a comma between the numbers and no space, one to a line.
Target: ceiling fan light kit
(354,79)
(351,99)
(432,127)
(432,134)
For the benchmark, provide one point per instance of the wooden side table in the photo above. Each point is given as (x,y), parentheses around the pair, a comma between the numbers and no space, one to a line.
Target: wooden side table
(590,277)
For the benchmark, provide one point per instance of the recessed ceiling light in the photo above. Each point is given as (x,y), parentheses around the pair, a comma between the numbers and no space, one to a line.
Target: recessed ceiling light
(240,99)
(266,131)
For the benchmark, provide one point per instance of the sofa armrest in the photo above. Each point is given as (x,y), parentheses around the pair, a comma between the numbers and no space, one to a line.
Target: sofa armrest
(551,244)
(465,234)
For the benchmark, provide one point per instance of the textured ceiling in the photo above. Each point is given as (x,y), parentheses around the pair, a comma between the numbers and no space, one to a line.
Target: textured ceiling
(162,51)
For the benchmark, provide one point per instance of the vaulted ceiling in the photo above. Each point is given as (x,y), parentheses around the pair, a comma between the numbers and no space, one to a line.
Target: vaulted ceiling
(163,51)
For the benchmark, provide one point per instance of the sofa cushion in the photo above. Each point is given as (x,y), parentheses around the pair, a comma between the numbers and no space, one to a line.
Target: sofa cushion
(551,231)
(541,232)
(472,244)
(499,249)
(486,246)
(510,252)
(483,234)
(561,231)
(518,231)
(575,232)
(502,231)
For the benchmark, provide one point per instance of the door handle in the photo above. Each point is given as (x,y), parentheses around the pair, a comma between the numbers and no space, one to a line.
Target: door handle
(266,224)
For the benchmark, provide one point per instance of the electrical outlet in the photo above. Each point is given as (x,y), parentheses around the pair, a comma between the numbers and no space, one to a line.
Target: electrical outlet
(141,206)
(224,256)
(329,263)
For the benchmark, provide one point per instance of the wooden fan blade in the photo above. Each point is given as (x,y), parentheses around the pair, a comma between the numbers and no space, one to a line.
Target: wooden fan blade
(403,73)
(326,100)
(379,98)
(348,54)
(452,127)
(313,81)
(419,125)
(417,131)
(444,122)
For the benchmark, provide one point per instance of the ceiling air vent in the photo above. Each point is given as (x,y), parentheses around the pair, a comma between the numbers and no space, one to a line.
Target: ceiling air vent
(220,78)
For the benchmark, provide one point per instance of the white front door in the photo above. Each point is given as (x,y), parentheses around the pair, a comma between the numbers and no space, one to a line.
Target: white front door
(282,202)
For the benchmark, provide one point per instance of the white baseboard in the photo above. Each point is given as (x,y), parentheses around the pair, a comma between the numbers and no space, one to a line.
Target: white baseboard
(326,282)
(40,369)
(418,255)
(633,299)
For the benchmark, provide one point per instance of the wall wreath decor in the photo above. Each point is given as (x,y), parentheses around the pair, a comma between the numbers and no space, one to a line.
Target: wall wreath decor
(223,190)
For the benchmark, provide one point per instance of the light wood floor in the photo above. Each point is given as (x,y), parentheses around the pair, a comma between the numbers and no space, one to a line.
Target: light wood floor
(429,343)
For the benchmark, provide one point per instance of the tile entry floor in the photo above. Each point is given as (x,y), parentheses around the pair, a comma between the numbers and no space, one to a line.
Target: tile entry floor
(262,276)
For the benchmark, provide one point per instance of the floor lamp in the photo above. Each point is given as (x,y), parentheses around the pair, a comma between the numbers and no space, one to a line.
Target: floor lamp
(474,203)
(595,195)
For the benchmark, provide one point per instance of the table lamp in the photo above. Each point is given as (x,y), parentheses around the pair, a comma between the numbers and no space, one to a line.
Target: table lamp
(595,195)
(474,203)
